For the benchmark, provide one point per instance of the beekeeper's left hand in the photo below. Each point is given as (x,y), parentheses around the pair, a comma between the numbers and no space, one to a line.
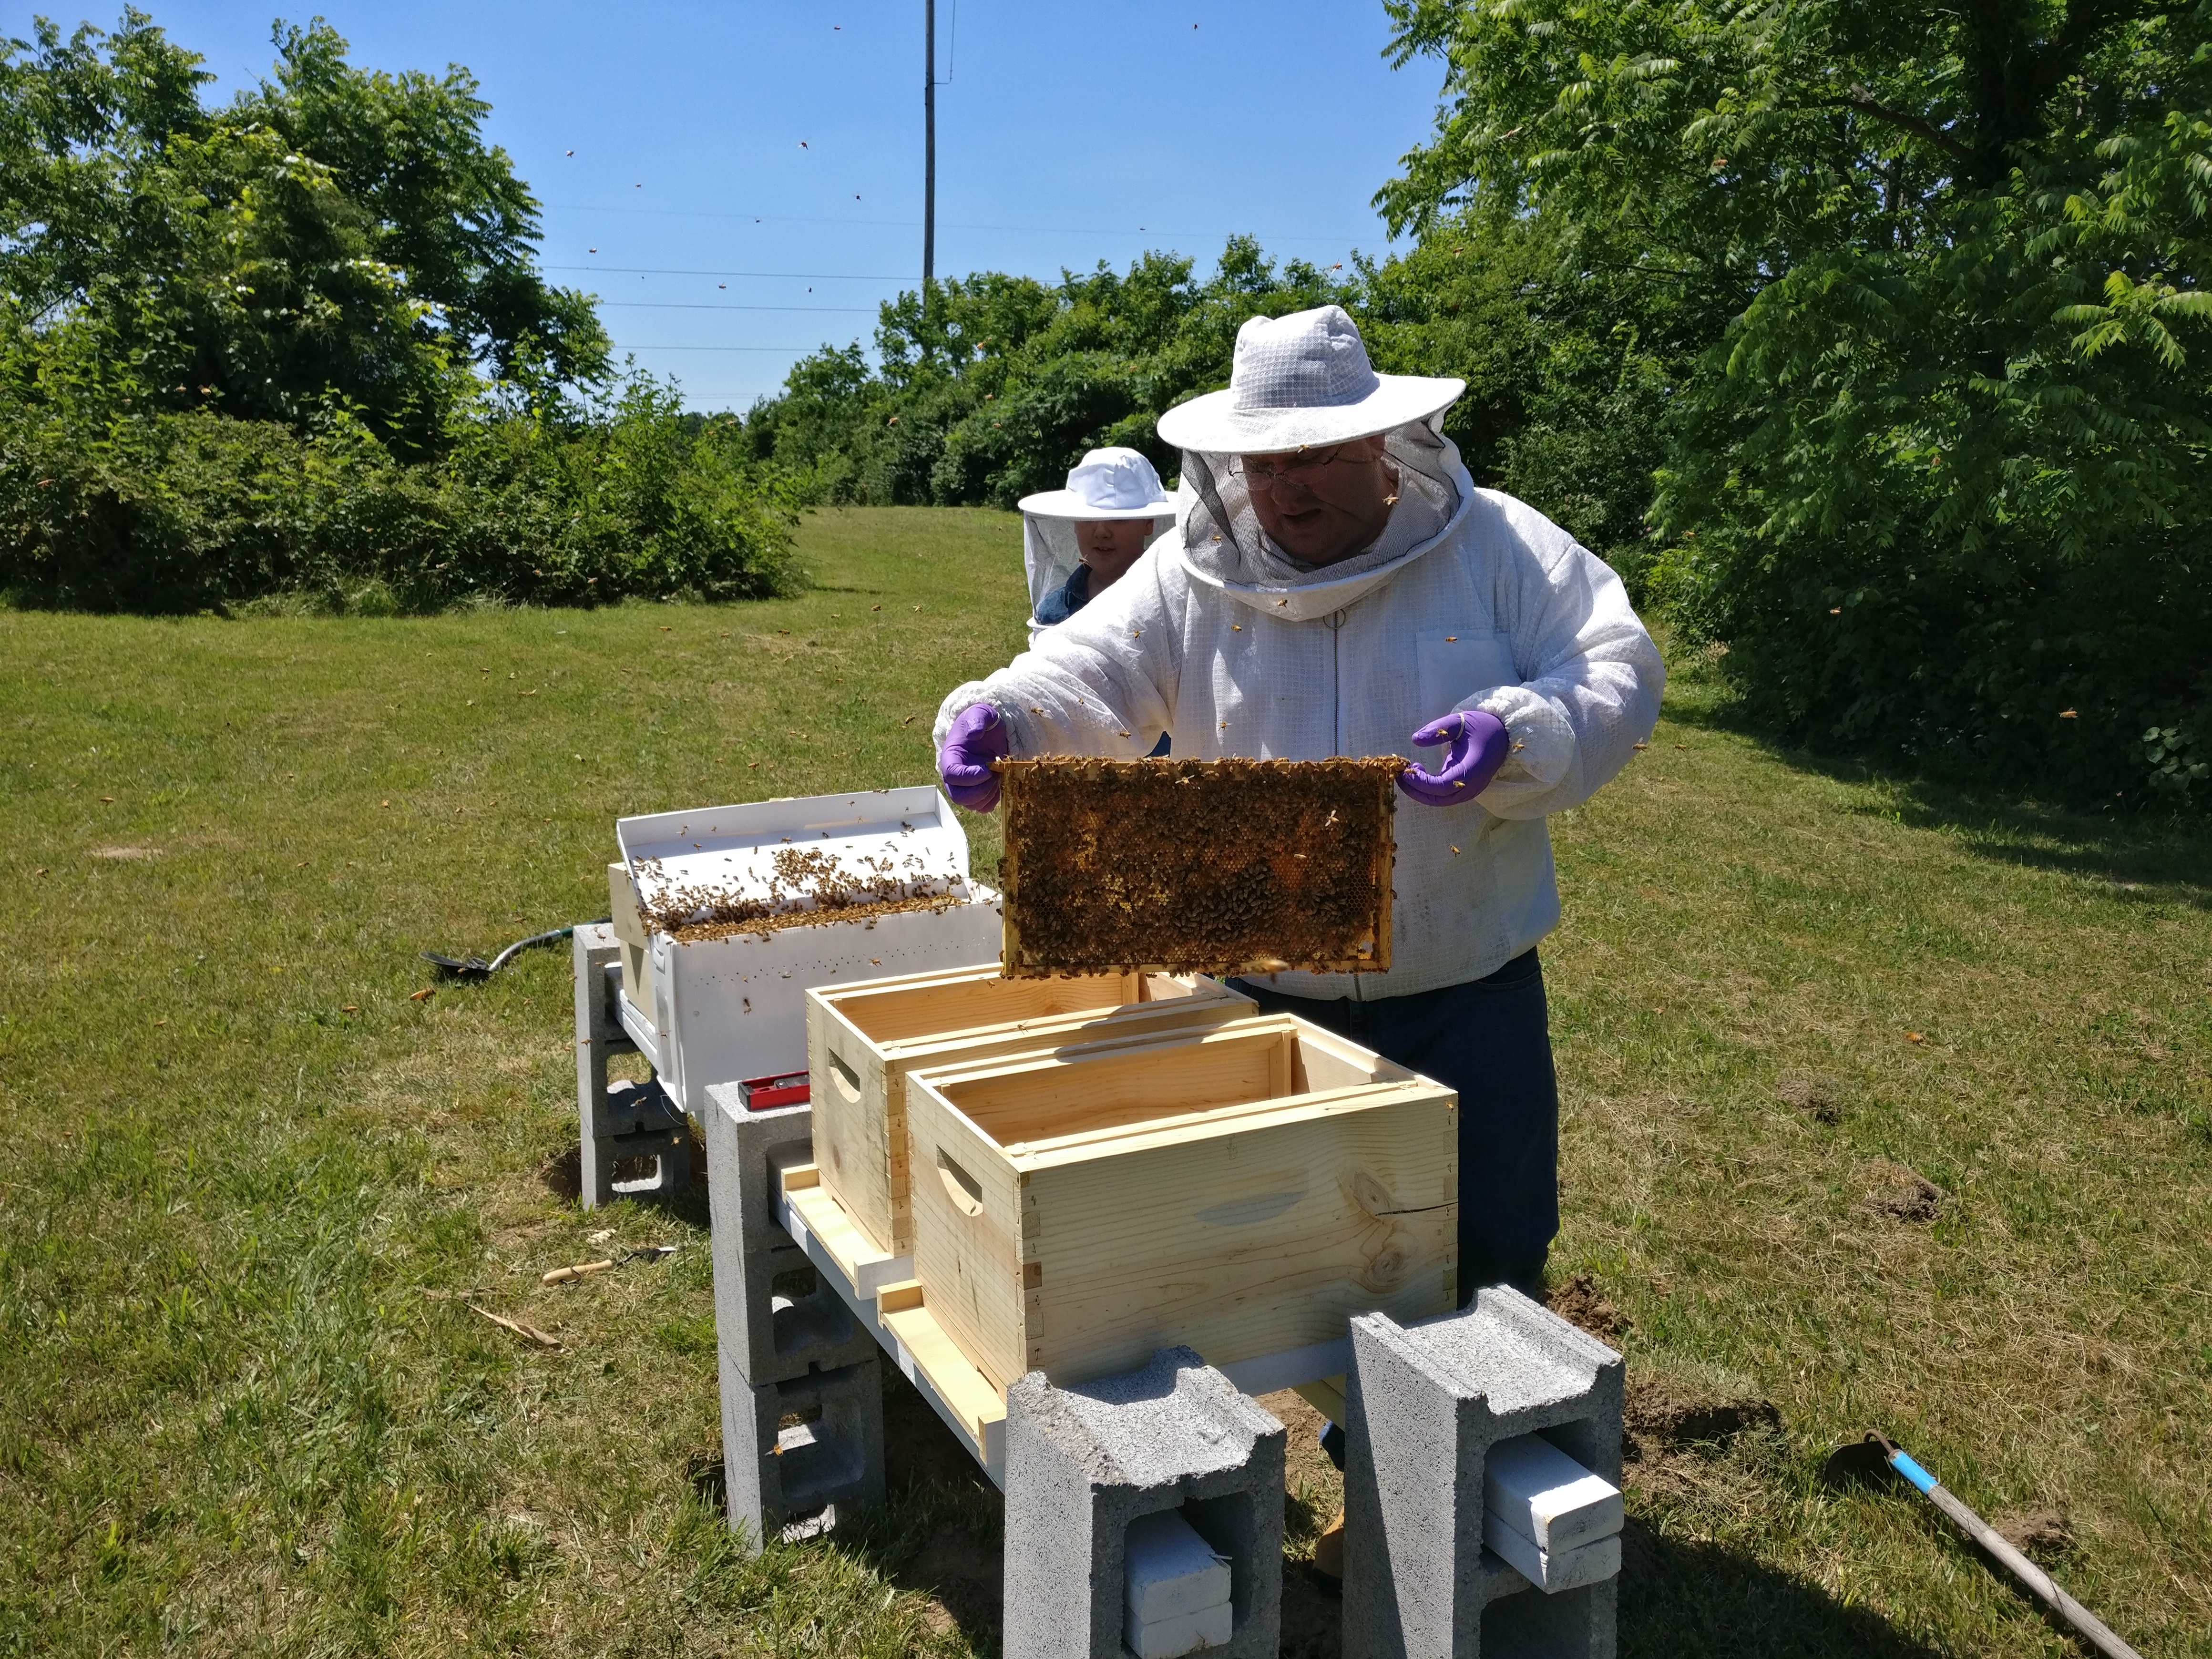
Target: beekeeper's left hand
(1480,744)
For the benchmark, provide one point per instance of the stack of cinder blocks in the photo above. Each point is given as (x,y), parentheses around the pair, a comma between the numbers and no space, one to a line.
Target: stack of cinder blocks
(1084,1464)
(621,1126)
(802,1396)
(1429,1407)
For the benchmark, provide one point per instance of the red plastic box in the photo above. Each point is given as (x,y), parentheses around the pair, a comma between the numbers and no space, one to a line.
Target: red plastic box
(760,1093)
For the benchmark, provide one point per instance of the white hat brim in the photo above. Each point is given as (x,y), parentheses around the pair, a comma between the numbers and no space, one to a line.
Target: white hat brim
(1212,424)
(1066,504)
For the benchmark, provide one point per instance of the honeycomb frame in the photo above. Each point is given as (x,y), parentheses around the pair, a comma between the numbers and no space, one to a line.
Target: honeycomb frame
(1173,866)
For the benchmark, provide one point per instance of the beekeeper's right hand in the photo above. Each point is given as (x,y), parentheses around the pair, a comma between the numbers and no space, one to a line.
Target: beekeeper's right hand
(977,738)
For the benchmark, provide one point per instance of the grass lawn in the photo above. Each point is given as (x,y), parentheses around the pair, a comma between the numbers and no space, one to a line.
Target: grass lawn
(1883,1107)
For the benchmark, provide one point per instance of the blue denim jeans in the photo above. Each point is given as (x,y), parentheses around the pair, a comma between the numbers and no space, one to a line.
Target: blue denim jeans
(1490,1040)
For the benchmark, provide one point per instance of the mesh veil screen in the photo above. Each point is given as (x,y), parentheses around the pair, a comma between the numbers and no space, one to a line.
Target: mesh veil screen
(1223,532)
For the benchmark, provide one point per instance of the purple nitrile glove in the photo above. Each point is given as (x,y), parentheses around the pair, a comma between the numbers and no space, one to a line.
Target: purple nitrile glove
(977,738)
(1478,747)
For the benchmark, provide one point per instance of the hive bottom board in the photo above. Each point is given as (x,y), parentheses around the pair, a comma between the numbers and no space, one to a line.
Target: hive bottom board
(882,1293)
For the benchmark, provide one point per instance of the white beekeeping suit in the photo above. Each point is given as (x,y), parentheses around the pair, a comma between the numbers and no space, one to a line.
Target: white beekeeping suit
(1108,483)
(1468,599)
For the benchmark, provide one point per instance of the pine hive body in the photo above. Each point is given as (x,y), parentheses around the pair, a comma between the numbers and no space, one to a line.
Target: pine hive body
(1245,1189)
(1198,866)
(864,1040)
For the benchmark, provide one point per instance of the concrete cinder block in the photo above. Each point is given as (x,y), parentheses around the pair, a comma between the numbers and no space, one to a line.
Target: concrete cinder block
(618,1124)
(658,1162)
(1085,1461)
(743,1149)
(774,1314)
(798,1456)
(1424,1406)
(778,1320)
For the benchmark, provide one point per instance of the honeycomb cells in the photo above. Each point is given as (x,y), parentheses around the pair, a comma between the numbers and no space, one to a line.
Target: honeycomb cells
(1198,866)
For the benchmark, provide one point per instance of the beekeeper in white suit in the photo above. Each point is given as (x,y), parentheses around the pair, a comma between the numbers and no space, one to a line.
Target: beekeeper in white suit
(1338,585)
(1080,541)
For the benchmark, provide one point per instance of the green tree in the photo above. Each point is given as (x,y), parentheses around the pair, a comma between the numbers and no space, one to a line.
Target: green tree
(299,346)
(334,237)
(1937,478)
(997,384)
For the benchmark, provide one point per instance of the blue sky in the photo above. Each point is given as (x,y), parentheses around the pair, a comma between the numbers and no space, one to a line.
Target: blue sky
(1066,134)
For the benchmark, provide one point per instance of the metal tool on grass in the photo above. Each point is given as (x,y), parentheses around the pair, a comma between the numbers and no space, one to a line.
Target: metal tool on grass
(477,968)
(1863,1457)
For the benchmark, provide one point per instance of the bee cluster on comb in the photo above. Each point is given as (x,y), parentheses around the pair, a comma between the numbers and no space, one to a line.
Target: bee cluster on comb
(1197,867)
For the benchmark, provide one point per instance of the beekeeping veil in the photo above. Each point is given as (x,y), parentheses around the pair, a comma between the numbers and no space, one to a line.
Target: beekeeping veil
(1298,382)
(1108,484)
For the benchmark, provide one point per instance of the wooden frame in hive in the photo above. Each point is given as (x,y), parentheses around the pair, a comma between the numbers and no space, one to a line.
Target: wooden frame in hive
(1221,866)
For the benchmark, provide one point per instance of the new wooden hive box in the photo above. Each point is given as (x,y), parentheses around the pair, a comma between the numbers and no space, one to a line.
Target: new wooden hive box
(1245,1189)
(863,1040)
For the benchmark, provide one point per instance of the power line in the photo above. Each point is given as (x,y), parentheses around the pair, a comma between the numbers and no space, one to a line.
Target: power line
(793,276)
(909,224)
(802,350)
(681,305)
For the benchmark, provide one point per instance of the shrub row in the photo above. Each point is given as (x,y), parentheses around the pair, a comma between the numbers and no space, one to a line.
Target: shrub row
(192,511)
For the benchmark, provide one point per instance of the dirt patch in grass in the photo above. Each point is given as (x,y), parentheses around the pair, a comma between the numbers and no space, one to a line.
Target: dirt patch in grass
(2041,1533)
(1902,1194)
(1817,1098)
(1581,1303)
(1314,1497)
(963,1579)
(1670,1411)
(561,1174)
(958,1568)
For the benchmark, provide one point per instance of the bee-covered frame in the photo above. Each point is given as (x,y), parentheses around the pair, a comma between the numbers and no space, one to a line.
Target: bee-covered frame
(1175,866)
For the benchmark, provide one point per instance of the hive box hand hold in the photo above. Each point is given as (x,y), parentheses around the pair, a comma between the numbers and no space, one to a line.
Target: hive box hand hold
(863,1040)
(1243,1189)
(1198,866)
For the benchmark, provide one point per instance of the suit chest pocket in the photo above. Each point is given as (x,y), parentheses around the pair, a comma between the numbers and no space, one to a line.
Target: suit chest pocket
(1456,667)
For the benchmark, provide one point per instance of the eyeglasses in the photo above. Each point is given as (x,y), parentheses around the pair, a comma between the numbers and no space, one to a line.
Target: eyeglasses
(1261,477)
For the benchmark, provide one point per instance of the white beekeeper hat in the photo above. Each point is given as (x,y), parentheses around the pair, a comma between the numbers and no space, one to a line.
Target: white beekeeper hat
(1109,483)
(1303,381)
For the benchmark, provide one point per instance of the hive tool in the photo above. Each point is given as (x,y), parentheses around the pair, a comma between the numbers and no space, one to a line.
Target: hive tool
(1865,1458)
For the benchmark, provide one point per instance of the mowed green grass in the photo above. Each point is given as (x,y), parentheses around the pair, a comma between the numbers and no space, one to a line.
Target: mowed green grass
(250,1187)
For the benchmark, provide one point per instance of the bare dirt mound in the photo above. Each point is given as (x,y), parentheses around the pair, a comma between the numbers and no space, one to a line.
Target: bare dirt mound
(1669,1411)
(1581,1303)
(1904,1195)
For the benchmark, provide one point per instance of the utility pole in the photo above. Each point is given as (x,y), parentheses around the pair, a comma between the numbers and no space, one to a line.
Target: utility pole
(928,148)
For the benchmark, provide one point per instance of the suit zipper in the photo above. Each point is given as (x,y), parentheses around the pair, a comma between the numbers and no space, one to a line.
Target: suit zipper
(1335,620)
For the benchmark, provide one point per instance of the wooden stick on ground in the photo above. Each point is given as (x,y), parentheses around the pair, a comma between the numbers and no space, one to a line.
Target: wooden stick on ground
(563,1275)
(529,1332)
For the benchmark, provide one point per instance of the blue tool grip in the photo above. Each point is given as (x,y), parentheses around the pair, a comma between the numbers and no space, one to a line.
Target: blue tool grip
(1901,1461)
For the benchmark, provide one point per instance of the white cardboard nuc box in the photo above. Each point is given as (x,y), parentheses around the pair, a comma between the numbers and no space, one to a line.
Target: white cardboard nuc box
(718,895)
